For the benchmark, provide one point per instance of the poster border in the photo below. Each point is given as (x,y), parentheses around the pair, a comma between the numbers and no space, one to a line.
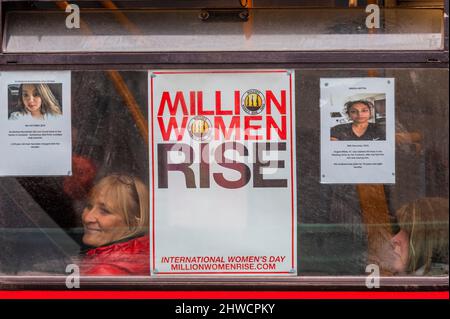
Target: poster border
(151,74)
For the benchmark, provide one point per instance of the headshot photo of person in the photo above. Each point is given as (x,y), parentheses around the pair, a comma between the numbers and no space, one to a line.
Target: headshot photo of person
(361,126)
(35,102)
(115,223)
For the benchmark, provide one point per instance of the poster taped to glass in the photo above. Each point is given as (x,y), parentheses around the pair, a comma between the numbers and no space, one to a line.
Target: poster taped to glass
(35,118)
(357,130)
(222,172)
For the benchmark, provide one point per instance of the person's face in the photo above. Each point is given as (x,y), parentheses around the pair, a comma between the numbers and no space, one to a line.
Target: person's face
(31,98)
(394,256)
(359,113)
(400,244)
(101,224)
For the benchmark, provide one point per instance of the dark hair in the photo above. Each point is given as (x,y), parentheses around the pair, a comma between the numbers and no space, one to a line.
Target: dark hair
(349,104)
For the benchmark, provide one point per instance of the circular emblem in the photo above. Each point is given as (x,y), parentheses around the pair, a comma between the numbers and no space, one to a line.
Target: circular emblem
(252,102)
(199,128)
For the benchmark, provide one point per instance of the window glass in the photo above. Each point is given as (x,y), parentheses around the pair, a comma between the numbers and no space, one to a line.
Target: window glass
(292,29)
(40,217)
(336,221)
(341,228)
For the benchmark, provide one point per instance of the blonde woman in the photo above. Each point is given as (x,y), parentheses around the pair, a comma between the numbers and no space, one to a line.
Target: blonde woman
(115,223)
(420,247)
(36,102)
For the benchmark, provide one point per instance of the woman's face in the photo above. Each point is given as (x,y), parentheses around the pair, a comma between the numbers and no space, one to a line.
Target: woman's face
(102,225)
(359,113)
(31,98)
(400,243)
(394,256)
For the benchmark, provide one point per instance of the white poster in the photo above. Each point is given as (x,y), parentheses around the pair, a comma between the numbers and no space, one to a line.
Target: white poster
(357,130)
(35,123)
(222,172)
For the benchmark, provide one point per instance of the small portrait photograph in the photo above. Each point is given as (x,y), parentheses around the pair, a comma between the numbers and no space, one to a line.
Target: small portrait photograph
(34,101)
(362,118)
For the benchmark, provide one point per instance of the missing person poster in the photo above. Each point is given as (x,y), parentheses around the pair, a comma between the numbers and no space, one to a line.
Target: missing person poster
(357,130)
(35,123)
(222,172)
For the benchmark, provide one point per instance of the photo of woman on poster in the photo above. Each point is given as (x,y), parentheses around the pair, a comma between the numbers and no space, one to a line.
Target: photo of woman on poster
(36,102)
(360,113)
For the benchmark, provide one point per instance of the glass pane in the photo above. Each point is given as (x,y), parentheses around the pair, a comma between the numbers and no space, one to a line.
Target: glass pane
(337,233)
(265,30)
(41,217)
(341,228)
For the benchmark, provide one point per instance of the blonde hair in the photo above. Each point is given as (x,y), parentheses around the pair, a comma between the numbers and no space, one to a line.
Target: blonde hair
(127,196)
(426,222)
(50,104)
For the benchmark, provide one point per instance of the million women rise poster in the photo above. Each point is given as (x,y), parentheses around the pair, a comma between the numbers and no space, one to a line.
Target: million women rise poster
(222,172)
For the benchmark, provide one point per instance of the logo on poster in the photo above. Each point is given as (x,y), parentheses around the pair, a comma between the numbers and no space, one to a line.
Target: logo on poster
(253,102)
(199,128)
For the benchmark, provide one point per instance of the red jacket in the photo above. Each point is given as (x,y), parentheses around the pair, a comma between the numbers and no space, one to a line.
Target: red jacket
(124,258)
